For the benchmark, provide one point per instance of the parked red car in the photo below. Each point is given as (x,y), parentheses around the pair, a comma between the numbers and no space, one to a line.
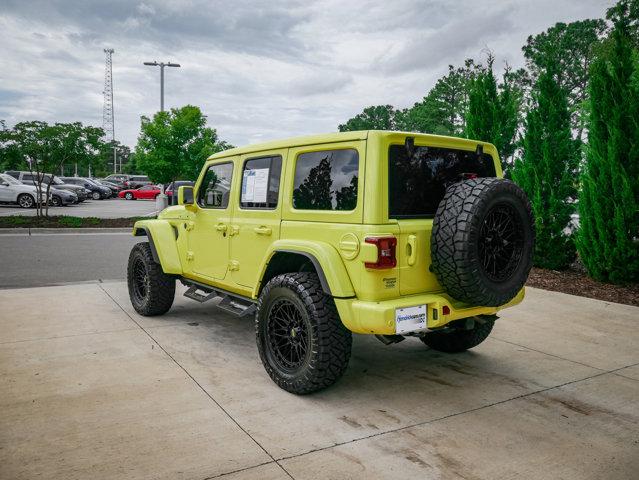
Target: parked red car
(147,191)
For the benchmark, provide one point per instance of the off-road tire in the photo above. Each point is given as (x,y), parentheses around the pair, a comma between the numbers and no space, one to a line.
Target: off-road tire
(328,341)
(26,201)
(458,340)
(158,293)
(456,236)
(129,196)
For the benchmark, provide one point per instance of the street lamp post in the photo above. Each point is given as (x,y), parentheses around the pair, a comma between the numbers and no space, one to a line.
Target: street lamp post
(161,65)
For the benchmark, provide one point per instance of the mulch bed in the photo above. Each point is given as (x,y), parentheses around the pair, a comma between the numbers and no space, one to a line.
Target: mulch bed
(578,283)
(20,221)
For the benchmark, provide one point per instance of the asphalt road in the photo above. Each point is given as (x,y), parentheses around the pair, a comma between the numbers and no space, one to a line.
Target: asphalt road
(111,208)
(54,259)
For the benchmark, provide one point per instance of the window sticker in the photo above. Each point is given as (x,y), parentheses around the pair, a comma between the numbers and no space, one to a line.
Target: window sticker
(255,185)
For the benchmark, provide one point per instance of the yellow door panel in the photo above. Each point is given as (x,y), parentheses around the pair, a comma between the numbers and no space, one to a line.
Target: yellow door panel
(256,213)
(208,239)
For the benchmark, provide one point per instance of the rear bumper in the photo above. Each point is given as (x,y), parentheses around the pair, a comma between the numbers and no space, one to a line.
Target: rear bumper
(379,317)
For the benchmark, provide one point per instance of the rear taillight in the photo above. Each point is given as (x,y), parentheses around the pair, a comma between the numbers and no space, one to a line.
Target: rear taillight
(386,247)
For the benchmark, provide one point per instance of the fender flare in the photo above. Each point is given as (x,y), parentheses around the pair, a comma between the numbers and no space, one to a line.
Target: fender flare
(325,258)
(161,237)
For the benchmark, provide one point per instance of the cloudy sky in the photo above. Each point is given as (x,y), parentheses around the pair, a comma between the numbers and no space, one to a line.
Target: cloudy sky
(259,69)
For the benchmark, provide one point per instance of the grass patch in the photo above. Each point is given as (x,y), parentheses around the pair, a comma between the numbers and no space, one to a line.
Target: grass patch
(65,221)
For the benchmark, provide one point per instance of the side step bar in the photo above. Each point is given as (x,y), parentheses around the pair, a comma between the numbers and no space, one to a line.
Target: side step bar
(229,302)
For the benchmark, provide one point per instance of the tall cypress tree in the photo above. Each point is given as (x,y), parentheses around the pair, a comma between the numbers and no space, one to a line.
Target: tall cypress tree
(493,111)
(546,171)
(609,201)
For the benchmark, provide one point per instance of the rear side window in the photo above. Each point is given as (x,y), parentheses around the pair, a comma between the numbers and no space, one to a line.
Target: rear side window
(418,183)
(261,182)
(215,189)
(326,180)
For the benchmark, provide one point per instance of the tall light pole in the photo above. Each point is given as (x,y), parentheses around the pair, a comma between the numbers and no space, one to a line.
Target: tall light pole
(161,65)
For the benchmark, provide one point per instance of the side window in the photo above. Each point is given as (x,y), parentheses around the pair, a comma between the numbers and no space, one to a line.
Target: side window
(215,189)
(27,177)
(326,180)
(261,182)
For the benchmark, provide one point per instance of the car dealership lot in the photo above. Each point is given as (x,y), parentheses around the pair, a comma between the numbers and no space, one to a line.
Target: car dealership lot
(110,208)
(91,389)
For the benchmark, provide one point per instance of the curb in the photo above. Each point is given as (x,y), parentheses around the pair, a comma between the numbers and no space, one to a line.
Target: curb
(63,231)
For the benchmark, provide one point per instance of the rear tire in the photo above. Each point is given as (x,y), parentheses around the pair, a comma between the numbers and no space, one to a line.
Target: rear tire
(95,195)
(26,201)
(150,289)
(56,201)
(128,196)
(301,340)
(458,339)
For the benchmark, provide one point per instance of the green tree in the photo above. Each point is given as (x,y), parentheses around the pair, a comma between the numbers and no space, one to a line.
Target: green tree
(609,200)
(44,148)
(442,111)
(571,48)
(629,9)
(546,171)
(380,117)
(175,144)
(493,111)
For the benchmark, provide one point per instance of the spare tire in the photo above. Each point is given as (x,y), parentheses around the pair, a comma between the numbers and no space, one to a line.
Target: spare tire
(483,240)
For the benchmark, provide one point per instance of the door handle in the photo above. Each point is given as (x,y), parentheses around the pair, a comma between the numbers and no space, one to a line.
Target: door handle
(221,227)
(263,230)
(412,247)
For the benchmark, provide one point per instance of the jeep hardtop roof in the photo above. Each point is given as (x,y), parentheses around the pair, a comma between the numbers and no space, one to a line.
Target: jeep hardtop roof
(349,136)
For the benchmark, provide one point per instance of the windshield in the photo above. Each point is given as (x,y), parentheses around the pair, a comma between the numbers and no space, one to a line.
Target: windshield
(91,182)
(9,179)
(57,181)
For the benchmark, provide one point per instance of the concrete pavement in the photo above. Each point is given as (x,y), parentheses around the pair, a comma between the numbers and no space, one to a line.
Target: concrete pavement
(54,258)
(92,390)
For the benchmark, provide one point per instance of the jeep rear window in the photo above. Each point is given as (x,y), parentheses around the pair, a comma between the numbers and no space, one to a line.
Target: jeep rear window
(417,184)
(326,180)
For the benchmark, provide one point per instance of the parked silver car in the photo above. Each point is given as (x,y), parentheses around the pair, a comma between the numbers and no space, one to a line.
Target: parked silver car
(13,191)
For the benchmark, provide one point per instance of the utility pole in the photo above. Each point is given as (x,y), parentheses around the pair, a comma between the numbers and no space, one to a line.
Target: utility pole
(108,119)
(161,65)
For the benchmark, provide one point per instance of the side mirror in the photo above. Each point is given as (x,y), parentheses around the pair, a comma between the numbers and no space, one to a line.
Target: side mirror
(185,195)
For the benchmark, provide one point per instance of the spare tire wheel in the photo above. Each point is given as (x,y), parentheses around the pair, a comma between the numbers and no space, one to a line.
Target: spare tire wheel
(483,240)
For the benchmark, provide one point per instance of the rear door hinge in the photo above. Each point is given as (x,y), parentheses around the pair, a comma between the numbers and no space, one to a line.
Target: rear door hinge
(234,265)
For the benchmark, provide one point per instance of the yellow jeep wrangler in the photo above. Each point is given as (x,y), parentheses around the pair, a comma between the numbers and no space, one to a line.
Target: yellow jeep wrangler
(393,234)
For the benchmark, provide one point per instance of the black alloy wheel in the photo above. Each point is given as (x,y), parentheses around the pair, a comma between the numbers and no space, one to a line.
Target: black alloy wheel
(501,242)
(287,335)
(302,342)
(150,289)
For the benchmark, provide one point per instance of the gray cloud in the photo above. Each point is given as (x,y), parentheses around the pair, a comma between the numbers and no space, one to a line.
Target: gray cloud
(259,70)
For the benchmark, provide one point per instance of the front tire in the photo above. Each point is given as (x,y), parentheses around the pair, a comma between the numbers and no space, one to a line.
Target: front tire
(56,201)
(128,196)
(302,342)
(150,289)
(95,196)
(26,201)
(459,339)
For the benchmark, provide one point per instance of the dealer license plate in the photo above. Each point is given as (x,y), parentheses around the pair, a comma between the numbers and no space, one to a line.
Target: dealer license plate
(410,319)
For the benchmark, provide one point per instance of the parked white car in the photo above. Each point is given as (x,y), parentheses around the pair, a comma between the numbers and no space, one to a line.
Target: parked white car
(12,191)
